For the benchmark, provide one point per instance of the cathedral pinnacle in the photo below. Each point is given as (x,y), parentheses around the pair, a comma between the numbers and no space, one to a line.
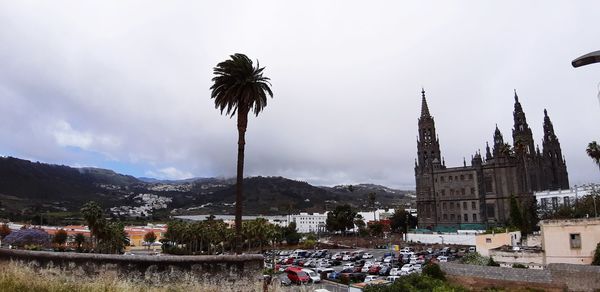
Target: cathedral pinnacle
(424,107)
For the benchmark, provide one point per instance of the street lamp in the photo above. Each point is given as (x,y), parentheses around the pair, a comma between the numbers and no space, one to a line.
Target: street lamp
(590,58)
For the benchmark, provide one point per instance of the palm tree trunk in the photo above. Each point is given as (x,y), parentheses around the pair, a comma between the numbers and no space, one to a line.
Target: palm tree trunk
(239,196)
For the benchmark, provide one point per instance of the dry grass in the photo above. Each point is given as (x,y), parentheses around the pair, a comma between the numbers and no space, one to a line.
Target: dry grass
(19,277)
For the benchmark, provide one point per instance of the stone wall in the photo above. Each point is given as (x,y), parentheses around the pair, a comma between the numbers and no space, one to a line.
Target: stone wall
(556,277)
(148,268)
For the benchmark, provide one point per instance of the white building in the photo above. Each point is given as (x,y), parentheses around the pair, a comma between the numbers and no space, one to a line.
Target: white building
(557,198)
(306,223)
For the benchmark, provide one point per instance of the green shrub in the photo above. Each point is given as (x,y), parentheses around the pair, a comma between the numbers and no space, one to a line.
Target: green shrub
(434,271)
(519,266)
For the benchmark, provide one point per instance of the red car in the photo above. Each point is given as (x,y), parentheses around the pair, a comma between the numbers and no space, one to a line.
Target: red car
(289,261)
(374,270)
(297,276)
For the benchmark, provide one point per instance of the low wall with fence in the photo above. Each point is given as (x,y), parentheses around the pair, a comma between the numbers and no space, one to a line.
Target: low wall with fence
(442,238)
(154,268)
(556,277)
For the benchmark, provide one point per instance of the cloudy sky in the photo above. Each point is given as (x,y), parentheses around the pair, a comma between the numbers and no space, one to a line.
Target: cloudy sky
(125,84)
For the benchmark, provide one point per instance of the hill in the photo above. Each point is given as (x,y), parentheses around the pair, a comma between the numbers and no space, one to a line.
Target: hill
(30,188)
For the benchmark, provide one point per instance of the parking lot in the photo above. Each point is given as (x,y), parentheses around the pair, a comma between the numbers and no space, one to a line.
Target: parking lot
(299,269)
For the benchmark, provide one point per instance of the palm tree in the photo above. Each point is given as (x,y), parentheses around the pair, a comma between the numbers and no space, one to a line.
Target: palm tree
(593,151)
(372,197)
(240,87)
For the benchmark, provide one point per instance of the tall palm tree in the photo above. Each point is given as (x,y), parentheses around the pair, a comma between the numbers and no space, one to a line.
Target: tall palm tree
(240,87)
(593,151)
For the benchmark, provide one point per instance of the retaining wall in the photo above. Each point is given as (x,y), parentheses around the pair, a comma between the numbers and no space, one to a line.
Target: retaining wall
(556,277)
(154,268)
(443,238)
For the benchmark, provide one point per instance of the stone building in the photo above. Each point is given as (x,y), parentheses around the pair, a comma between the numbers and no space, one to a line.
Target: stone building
(478,195)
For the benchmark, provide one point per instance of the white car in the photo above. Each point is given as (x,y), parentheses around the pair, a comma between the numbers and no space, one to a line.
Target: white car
(417,268)
(348,266)
(365,268)
(443,259)
(326,270)
(408,268)
(367,256)
(395,272)
(314,277)
(370,278)
(347,257)
(392,278)
(388,259)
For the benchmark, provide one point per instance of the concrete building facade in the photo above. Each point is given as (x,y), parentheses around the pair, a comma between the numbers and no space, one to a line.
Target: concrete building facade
(570,241)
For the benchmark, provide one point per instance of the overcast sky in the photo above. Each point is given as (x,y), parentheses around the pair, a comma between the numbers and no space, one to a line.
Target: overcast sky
(124,85)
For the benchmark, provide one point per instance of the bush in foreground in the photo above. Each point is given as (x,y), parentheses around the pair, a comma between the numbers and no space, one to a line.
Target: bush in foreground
(17,277)
(416,282)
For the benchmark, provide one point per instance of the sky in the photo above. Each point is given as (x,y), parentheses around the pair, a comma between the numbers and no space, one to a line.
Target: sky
(125,85)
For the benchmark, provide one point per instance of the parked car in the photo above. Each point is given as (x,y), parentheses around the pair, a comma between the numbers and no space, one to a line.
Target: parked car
(367,256)
(297,276)
(392,278)
(314,277)
(388,259)
(348,265)
(347,257)
(284,280)
(408,268)
(395,272)
(442,259)
(417,268)
(385,271)
(324,270)
(374,270)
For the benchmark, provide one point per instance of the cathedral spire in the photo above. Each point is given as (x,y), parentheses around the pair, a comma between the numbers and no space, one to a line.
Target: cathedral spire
(424,107)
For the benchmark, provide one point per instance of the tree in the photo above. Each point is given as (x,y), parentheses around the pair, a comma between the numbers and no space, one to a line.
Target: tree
(60,237)
(398,221)
(291,234)
(593,151)
(515,213)
(92,213)
(341,219)
(79,239)
(240,87)
(372,197)
(150,238)
(434,271)
(596,260)
(4,230)
(30,237)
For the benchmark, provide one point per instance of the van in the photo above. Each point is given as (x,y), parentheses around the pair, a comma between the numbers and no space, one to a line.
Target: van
(472,249)
(297,276)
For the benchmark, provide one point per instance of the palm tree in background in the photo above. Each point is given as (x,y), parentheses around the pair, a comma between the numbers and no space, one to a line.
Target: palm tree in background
(372,198)
(593,151)
(240,87)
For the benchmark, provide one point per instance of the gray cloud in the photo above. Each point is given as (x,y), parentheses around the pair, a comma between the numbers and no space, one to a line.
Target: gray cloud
(128,83)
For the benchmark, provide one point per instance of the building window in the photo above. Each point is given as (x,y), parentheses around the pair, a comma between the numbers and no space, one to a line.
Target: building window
(575,240)
(452,192)
(488,240)
(462,191)
(462,177)
(488,185)
(566,201)
(452,217)
(545,202)
(470,176)
(554,202)
(445,216)
(472,191)
(444,206)
(473,205)
(442,178)
(466,217)
(450,178)
(464,205)
(474,217)
(443,192)
(491,211)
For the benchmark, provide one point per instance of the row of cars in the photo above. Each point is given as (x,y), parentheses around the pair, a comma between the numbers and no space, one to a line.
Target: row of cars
(302,266)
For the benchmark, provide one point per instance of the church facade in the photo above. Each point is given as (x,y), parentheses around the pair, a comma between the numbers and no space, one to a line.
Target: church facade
(478,194)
